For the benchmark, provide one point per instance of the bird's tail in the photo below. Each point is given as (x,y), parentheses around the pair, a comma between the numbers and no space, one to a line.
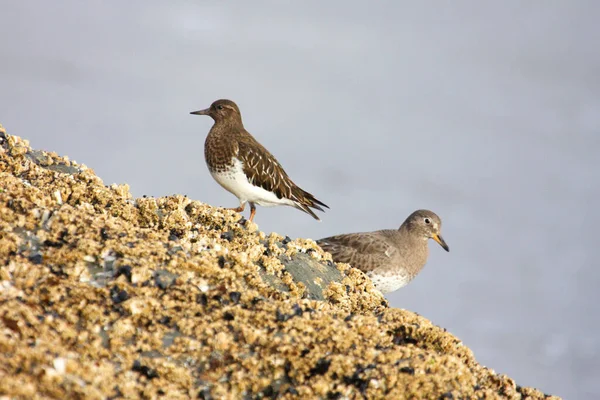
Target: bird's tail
(304,201)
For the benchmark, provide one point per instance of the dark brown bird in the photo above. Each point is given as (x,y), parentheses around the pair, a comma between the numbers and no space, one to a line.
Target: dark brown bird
(245,168)
(391,257)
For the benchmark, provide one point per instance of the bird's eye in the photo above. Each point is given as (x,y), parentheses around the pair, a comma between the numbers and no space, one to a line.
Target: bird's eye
(427,221)
(219,107)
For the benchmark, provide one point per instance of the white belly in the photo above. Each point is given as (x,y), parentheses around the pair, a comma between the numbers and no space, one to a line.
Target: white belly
(236,182)
(388,283)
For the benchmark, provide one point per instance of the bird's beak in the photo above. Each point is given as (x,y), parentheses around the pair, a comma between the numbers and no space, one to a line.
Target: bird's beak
(201,112)
(441,241)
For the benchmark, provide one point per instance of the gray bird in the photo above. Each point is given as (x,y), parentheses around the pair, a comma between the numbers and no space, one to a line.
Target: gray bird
(245,168)
(391,258)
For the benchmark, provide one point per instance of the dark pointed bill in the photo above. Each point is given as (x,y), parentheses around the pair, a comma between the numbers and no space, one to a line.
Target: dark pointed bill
(201,112)
(441,241)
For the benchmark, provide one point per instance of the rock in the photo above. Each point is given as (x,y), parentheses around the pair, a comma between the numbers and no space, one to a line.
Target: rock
(103,295)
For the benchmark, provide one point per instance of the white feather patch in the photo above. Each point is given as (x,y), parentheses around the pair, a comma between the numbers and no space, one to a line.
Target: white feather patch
(235,181)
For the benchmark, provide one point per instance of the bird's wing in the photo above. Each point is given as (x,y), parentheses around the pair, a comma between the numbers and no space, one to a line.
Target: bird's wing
(263,170)
(365,251)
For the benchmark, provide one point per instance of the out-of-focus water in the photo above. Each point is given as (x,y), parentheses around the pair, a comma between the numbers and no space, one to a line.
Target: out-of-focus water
(488,114)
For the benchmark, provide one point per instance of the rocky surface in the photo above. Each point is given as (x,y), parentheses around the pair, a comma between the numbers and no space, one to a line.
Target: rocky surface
(107,296)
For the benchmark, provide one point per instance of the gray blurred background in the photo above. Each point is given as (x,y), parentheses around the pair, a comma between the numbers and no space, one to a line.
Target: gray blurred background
(488,114)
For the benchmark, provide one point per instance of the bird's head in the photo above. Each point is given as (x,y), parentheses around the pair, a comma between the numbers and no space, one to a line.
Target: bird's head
(221,110)
(426,224)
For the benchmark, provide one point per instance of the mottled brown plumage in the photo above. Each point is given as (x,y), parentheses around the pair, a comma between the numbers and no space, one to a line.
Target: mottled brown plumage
(245,168)
(391,258)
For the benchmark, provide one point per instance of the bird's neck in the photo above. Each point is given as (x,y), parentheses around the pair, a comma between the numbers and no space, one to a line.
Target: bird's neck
(228,126)
(414,245)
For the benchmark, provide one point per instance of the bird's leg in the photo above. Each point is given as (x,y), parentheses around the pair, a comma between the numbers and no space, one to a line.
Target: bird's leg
(238,209)
(252,211)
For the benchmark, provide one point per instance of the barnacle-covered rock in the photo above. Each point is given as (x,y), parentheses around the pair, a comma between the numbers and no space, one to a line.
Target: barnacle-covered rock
(103,295)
